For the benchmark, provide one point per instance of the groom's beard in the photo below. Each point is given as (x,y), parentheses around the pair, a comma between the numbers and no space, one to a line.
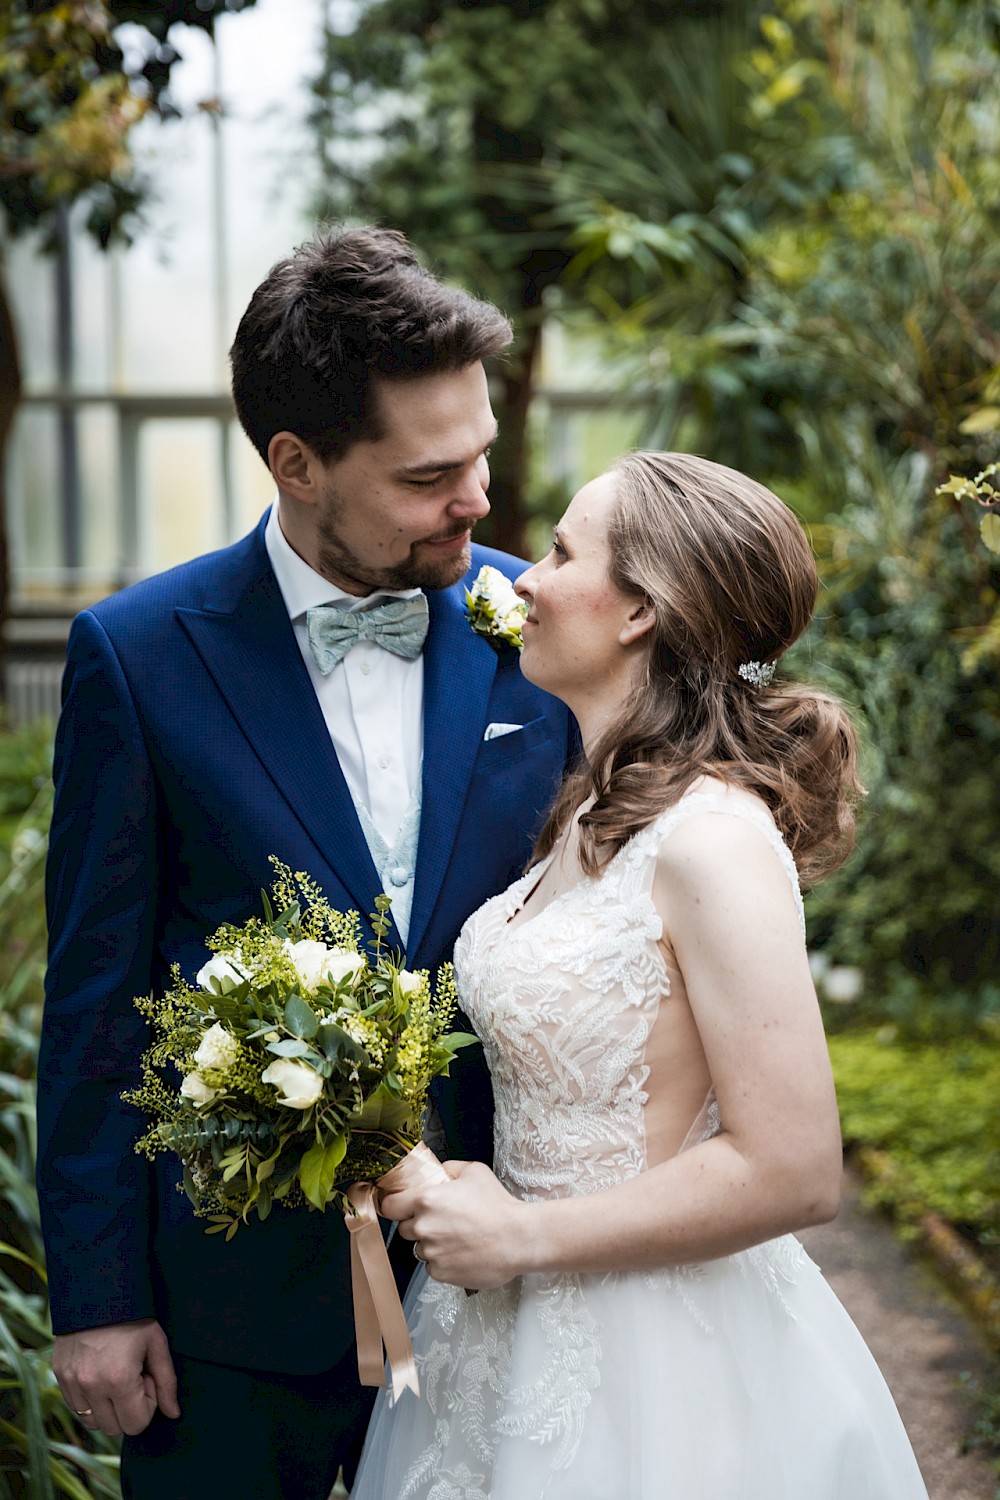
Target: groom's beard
(339,563)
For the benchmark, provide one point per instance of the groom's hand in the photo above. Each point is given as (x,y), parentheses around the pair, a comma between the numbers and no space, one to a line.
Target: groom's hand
(116,1376)
(470,1232)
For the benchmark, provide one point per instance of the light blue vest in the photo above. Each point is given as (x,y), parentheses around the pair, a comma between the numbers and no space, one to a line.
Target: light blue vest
(396,866)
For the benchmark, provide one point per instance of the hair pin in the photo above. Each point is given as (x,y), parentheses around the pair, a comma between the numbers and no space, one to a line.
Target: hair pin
(758,673)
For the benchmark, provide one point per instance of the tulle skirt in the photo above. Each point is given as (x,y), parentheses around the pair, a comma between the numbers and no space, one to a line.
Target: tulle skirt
(743,1379)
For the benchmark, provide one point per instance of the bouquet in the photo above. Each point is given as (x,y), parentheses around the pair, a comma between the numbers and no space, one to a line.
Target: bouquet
(493,609)
(305,1062)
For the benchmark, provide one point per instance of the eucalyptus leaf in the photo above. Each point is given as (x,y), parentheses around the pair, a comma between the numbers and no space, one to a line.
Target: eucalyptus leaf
(299,1018)
(290,1047)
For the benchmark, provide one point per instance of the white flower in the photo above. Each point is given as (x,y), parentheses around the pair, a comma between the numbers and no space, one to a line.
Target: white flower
(315,962)
(197,1090)
(298,1085)
(493,609)
(224,974)
(217,1048)
(409,983)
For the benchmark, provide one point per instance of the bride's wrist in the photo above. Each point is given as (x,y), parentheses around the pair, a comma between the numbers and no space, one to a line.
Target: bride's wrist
(535,1238)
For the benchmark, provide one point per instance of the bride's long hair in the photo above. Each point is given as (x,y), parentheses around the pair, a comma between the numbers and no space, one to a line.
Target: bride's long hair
(729,574)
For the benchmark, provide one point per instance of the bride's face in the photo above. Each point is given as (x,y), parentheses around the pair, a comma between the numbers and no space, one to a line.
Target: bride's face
(582,634)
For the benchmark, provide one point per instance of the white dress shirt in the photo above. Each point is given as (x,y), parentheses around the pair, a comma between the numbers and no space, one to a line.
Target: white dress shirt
(372,701)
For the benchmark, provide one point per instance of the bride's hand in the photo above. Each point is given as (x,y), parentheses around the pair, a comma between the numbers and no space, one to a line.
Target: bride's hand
(469,1231)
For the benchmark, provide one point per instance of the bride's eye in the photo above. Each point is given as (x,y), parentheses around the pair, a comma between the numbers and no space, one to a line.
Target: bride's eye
(558,548)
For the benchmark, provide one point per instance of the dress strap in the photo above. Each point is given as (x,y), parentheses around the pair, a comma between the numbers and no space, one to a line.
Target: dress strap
(648,840)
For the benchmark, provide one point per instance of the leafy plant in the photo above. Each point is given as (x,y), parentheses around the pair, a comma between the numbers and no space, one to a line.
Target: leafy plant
(932,1108)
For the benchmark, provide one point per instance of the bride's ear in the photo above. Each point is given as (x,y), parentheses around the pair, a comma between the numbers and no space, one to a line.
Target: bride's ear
(641,619)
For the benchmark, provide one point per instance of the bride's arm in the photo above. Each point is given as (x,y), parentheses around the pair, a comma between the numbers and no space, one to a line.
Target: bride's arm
(726,902)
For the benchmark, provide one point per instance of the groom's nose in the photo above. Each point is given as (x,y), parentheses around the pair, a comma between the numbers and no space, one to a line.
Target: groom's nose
(469,495)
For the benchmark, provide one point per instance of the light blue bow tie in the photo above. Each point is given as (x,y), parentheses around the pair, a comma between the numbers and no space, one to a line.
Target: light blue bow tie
(398,625)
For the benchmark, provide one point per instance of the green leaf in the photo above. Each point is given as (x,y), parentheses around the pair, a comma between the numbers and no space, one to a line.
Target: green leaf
(336,1042)
(457,1039)
(989,530)
(290,1047)
(318,1169)
(299,1019)
(382,1111)
(983,419)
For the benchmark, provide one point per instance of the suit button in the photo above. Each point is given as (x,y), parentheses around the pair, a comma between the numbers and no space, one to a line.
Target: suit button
(399,875)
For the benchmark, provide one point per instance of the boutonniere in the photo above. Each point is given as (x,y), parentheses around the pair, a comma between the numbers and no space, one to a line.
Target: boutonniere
(493,609)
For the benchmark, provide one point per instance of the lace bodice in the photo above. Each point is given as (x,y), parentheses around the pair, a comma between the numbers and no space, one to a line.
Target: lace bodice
(564,1001)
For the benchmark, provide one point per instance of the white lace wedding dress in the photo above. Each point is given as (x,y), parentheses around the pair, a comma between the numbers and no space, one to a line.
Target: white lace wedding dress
(739,1379)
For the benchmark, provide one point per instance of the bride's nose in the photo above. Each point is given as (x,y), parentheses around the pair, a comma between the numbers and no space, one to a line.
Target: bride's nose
(524,586)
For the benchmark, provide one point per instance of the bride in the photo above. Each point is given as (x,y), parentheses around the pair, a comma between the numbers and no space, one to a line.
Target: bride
(646,1326)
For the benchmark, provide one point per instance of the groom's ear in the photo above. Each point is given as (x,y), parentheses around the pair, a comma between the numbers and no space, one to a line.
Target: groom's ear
(294,467)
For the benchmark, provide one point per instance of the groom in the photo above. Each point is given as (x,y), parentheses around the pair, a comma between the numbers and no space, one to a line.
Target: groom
(246,704)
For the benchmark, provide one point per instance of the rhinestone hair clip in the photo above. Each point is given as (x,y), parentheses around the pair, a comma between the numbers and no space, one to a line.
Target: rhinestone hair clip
(757,673)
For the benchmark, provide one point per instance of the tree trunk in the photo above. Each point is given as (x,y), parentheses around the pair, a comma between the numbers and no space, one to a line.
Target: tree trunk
(10,395)
(509,461)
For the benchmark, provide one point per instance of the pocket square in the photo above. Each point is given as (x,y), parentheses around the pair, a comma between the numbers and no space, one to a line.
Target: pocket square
(494,731)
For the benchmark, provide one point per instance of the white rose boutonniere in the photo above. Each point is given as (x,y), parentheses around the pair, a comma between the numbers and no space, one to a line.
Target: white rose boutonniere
(493,609)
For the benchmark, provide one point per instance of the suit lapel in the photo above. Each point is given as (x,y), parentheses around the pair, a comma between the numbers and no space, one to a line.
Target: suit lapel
(251,652)
(459,669)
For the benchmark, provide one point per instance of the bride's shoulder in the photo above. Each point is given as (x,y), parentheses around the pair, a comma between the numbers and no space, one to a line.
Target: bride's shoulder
(721,843)
(717,828)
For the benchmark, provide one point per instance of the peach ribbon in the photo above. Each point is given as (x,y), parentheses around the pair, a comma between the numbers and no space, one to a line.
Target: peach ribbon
(378,1313)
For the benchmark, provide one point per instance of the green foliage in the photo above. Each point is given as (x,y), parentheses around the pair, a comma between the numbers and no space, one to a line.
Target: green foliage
(69,104)
(933,1109)
(43,1449)
(479,108)
(843,346)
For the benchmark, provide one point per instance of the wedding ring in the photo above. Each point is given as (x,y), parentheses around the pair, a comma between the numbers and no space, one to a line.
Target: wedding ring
(416,1250)
(88,1412)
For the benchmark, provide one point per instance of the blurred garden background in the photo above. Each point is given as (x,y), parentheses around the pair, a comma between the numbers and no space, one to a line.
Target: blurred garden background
(767,233)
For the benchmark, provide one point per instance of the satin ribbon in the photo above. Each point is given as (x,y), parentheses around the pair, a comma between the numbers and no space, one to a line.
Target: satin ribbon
(379,1323)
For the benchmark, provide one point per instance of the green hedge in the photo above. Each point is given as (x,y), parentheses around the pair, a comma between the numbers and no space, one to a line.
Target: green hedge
(934,1109)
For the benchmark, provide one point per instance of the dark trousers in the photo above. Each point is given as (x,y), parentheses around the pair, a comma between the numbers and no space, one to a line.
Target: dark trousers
(250,1433)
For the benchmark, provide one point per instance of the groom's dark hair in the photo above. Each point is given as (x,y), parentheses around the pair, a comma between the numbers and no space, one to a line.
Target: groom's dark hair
(350,307)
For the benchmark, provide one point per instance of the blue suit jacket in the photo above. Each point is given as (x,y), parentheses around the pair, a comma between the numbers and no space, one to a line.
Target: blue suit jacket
(191,746)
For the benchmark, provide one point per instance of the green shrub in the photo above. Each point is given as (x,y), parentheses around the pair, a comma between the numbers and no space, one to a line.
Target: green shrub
(932,1108)
(44,1452)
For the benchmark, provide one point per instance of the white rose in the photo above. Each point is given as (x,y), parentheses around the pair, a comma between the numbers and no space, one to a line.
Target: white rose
(217,1048)
(197,1090)
(226,975)
(409,982)
(298,1085)
(343,963)
(315,962)
(498,590)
